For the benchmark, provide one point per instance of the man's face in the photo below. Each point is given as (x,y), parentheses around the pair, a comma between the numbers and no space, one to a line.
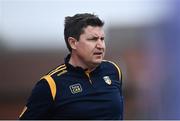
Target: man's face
(91,46)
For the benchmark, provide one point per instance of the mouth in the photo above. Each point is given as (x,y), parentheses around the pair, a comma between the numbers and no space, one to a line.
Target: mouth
(98,53)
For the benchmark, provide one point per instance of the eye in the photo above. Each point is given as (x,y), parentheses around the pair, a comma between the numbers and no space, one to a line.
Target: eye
(102,38)
(93,39)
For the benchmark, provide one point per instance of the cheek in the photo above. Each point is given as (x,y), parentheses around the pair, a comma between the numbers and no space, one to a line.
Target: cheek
(84,48)
(87,46)
(104,46)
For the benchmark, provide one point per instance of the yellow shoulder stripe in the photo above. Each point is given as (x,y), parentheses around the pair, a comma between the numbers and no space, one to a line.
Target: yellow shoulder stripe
(24,109)
(52,85)
(62,72)
(62,67)
(59,67)
(119,71)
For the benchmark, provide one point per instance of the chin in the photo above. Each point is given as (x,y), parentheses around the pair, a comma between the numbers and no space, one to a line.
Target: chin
(97,61)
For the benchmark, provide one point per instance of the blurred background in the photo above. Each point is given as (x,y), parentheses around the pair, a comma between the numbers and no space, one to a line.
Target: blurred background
(142,36)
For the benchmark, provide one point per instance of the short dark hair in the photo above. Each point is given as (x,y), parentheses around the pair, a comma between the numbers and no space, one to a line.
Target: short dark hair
(74,26)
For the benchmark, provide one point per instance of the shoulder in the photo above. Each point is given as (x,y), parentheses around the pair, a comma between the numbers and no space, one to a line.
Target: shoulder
(59,70)
(41,91)
(56,73)
(52,76)
(113,67)
(110,64)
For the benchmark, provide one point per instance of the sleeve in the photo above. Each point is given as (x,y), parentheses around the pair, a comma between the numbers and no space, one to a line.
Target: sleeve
(40,102)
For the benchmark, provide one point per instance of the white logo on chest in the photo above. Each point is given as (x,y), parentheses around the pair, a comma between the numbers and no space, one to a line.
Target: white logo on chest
(107,80)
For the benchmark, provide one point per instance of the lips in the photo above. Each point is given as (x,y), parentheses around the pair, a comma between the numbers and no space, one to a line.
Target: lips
(98,53)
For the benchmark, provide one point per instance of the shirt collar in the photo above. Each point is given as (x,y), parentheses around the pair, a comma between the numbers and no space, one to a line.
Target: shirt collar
(71,67)
(78,69)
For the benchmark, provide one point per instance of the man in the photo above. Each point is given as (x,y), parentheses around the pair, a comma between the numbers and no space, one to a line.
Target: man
(85,86)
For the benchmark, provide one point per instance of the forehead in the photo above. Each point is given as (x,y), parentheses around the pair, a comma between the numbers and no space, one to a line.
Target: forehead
(94,31)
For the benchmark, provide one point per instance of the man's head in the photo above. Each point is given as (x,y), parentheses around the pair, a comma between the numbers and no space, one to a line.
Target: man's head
(84,37)
(75,25)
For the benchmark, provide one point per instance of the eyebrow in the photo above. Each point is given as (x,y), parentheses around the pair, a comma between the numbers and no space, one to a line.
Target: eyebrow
(95,36)
(92,37)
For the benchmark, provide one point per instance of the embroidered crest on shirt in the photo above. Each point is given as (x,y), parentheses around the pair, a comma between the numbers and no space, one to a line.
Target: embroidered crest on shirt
(75,88)
(107,80)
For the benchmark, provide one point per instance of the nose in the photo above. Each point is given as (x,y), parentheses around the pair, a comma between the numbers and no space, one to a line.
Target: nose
(100,44)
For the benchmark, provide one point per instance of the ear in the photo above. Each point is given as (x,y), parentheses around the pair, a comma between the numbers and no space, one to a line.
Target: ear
(72,42)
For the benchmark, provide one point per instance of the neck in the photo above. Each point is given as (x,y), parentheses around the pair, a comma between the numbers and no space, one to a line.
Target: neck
(77,62)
